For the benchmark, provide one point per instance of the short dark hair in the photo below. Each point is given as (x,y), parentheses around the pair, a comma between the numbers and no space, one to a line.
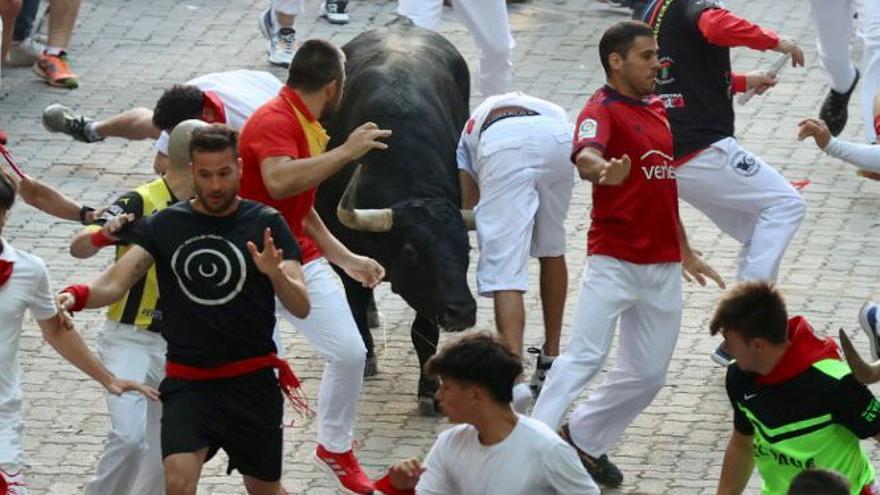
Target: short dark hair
(212,138)
(619,39)
(8,188)
(818,482)
(178,103)
(316,63)
(752,309)
(479,359)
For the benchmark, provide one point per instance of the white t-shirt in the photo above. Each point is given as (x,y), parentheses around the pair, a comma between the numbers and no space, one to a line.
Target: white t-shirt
(470,136)
(241,91)
(531,460)
(27,288)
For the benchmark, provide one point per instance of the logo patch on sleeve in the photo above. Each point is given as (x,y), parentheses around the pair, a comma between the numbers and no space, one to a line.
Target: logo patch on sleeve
(588,129)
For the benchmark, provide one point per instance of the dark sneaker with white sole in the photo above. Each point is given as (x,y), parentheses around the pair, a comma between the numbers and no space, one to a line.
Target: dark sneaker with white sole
(834,108)
(600,468)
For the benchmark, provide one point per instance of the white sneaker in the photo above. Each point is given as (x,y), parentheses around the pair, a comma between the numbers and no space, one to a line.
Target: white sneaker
(24,53)
(280,47)
(334,11)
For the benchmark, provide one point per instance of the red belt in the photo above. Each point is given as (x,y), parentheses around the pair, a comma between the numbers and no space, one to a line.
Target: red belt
(290,384)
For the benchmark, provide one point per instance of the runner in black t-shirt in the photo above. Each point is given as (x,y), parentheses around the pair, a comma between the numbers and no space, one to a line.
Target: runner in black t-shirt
(748,199)
(218,307)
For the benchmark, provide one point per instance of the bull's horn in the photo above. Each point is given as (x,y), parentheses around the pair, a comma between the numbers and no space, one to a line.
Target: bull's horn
(356,219)
(469,221)
(864,372)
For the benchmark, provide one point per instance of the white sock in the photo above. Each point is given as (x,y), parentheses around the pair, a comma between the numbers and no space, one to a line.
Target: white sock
(54,50)
(522,397)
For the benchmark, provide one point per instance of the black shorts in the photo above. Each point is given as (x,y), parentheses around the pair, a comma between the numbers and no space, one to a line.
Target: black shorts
(241,415)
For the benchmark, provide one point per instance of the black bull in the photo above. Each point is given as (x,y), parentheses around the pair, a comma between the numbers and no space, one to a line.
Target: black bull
(415,83)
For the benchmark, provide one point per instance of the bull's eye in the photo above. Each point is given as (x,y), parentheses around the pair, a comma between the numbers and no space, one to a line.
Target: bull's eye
(410,255)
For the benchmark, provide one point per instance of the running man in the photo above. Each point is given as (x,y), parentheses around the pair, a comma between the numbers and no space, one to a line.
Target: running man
(637,250)
(221,262)
(745,197)
(796,404)
(282,150)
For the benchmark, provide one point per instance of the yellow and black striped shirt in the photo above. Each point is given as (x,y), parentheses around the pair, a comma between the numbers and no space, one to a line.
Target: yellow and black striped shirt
(139,305)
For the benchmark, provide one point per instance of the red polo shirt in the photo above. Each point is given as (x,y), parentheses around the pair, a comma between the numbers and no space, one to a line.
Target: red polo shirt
(283,126)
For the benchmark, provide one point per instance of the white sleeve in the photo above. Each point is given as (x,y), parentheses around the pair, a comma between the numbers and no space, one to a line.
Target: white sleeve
(866,156)
(42,303)
(435,480)
(162,143)
(463,156)
(565,474)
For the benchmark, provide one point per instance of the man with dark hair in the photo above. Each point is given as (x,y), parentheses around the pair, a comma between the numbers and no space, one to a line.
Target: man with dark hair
(637,249)
(282,149)
(25,286)
(130,342)
(745,197)
(494,449)
(218,317)
(818,482)
(216,98)
(796,404)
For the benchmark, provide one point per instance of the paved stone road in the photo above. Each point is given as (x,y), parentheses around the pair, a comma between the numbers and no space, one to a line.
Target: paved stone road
(127,52)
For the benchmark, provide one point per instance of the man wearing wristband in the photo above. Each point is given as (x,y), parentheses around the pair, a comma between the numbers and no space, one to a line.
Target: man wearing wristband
(24,285)
(220,261)
(130,343)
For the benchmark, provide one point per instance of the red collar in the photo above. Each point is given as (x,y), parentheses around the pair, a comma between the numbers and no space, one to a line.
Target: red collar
(804,349)
(293,97)
(215,105)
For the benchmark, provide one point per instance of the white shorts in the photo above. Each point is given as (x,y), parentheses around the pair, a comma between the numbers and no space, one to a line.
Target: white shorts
(525,177)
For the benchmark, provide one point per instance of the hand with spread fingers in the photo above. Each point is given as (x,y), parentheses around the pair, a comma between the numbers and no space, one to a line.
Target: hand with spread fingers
(365,270)
(693,267)
(269,260)
(118,386)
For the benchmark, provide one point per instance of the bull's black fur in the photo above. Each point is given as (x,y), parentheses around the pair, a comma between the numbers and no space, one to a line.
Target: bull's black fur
(415,83)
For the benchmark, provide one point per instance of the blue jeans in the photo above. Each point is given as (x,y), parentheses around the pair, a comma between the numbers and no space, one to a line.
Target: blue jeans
(24,23)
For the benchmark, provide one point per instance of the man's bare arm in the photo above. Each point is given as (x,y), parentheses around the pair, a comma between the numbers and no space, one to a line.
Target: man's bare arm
(739,462)
(116,280)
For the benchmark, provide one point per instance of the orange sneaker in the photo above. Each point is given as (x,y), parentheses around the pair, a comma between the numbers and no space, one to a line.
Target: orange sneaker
(55,70)
(345,469)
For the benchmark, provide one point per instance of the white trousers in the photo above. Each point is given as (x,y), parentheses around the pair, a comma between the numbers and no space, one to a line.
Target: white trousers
(331,330)
(647,300)
(488,23)
(525,179)
(748,200)
(834,26)
(132,458)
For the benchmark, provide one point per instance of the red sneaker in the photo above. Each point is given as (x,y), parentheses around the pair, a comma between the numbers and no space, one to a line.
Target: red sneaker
(55,70)
(345,469)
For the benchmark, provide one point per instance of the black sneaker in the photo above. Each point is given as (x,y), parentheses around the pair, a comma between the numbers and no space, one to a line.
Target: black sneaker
(428,406)
(834,108)
(600,468)
(721,356)
(59,118)
(371,367)
(334,11)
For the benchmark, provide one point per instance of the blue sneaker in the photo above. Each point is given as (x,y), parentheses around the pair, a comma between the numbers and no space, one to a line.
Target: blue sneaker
(721,356)
(868,322)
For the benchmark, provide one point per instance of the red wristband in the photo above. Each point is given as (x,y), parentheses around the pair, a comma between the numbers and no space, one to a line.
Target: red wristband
(738,83)
(80,293)
(99,239)
(384,485)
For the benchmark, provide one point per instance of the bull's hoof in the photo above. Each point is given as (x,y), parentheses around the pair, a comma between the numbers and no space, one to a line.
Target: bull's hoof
(428,407)
(371,367)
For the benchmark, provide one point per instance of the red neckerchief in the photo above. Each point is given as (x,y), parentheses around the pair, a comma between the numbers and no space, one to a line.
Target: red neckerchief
(215,104)
(804,349)
(5,271)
